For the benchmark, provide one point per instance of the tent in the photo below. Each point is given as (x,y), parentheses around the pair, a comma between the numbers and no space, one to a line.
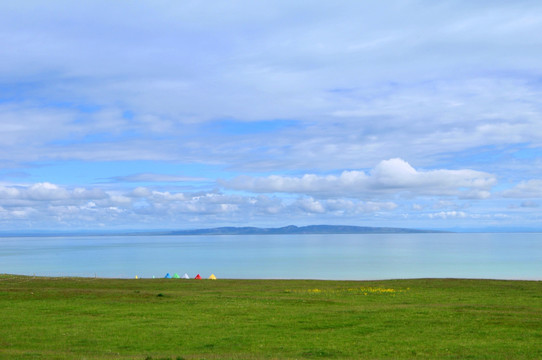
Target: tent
(176,276)
(185,276)
(212,277)
(198,277)
(167,276)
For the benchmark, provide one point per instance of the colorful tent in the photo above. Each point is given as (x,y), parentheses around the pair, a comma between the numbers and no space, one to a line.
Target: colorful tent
(185,276)
(198,277)
(212,277)
(167,276)
(176,276)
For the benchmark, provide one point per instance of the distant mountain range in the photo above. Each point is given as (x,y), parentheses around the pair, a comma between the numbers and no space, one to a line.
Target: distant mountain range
(292,229)
(286,230)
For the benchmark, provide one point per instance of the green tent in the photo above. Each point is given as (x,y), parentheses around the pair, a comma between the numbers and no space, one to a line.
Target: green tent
(176,276)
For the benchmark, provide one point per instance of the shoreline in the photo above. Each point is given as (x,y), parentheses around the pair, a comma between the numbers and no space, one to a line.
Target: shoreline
(9,275)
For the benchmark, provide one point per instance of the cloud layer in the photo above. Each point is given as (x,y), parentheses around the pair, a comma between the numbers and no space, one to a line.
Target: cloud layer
(45,205)
(394,111)
(384,193)
(394,176)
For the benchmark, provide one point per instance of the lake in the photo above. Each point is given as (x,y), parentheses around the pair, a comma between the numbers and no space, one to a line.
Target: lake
(352,257)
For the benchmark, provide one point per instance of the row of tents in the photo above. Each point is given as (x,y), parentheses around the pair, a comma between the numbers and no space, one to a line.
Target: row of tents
(185,276)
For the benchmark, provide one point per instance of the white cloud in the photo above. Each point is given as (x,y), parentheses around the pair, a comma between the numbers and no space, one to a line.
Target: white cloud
(525,189)
(53,205)
(141,192)
(371,206)
(310,205)
(9,192)
(392,176)
(120,199)
(46,191)
(448,215)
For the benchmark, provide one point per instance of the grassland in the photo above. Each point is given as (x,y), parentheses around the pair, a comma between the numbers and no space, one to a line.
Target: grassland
(78,318)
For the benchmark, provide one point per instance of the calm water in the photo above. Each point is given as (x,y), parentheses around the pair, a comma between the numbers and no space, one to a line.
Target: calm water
(360,257)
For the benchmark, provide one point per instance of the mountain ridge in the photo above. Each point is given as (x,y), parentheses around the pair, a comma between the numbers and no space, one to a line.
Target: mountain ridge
(232,230)
(293,229)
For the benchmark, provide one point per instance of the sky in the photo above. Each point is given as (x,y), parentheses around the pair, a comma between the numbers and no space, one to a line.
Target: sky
(189,114)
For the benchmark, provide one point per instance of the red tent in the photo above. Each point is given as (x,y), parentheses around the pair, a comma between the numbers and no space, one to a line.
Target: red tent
(198,277)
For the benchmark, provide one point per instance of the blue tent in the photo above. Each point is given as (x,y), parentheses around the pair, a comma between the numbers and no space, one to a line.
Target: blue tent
(167,276)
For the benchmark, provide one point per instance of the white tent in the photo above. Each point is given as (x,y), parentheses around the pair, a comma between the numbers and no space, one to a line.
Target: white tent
(185,276)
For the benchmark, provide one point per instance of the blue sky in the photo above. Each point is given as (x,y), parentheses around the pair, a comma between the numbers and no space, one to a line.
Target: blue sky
(168,114)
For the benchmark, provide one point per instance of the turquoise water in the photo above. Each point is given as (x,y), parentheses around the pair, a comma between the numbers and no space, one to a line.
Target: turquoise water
(356,257)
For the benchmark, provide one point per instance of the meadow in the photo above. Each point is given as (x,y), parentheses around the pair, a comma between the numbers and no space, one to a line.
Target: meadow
(88,318)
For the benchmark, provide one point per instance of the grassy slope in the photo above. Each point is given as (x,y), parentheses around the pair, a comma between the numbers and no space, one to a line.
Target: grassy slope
(64,318)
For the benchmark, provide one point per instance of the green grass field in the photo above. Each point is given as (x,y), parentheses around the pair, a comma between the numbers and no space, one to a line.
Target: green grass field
(80,318)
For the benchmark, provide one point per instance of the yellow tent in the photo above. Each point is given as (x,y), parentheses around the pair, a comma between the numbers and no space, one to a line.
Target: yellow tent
(212,277)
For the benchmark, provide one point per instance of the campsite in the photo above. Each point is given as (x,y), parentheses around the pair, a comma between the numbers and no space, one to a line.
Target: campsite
(185,276)
(93,318)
